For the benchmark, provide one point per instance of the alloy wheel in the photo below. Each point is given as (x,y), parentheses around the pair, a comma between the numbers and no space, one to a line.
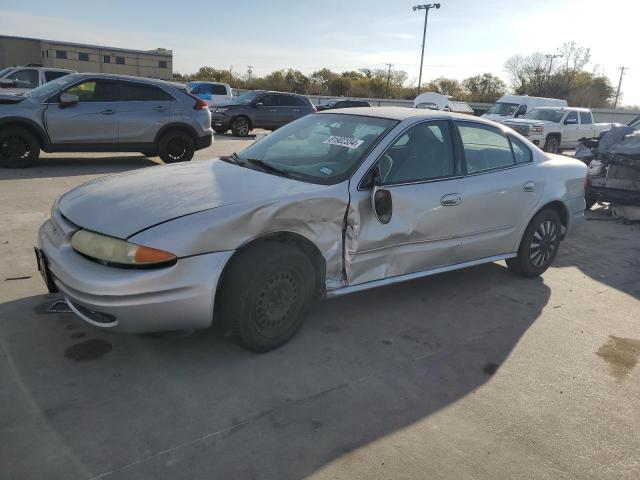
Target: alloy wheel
(14,148)
(543,244)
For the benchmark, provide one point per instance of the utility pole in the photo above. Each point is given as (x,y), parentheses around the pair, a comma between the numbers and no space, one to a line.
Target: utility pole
(386,91)
(551,58)
(249,72)
(426,9)
(622,69)
(230,77)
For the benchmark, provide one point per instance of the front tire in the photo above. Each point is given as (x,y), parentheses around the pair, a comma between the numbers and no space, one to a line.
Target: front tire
(19,148)
(176,146)
(240,127)
(552,145)
(539,245)
(265,295)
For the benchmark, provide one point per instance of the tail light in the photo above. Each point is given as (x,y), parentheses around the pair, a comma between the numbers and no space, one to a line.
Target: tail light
(200,104)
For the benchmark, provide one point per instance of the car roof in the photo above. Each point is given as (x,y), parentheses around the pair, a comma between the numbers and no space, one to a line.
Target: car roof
(579,109)
(404,113)
(208,82)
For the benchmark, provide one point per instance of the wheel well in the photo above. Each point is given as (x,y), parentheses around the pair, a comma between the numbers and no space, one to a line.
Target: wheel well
(28,127)
(295,241)
(176,128)
(562,212)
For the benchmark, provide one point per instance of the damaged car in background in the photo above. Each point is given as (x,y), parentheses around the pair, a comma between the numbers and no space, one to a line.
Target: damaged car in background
(614,169)
(332,203)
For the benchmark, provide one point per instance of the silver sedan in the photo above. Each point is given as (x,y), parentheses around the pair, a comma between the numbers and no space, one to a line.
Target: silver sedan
(333,203)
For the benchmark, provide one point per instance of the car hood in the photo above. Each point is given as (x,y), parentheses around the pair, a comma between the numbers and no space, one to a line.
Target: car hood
(124,204)
(10,98)
(527,121)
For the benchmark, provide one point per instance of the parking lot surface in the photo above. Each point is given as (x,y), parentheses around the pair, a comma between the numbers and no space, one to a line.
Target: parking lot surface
(474,374)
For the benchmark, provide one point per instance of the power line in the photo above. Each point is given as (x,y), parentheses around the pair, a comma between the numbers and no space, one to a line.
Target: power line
(622,69)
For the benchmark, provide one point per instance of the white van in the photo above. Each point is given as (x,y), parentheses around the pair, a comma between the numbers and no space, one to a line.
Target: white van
(437,101)
(515,106)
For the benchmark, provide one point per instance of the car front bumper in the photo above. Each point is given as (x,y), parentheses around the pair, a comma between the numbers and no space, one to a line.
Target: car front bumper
(131,300)
(220,120)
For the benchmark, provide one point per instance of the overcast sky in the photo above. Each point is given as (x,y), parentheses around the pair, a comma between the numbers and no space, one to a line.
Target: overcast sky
(464,38)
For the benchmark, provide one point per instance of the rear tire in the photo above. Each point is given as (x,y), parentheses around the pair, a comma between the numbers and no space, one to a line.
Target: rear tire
(176,146)
(539,245)
(265,295)
(19,148)
(241,127)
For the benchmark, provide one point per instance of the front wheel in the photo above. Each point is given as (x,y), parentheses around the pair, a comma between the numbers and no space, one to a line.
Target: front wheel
(552,145)
(241,127)
(176,146)
(19,148)
(265,295)
(539,245)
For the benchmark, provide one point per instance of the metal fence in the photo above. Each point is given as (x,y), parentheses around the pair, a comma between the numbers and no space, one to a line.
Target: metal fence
(599,114)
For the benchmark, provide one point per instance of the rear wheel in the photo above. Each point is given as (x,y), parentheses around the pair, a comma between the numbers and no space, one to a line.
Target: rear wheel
(19,148)
(241,127)
(176,146)
(539,245)
(265,295)
(552,145)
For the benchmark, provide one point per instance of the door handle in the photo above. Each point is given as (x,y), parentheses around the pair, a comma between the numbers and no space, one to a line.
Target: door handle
(160,109)
(108,112)
(529,186)
(450,200)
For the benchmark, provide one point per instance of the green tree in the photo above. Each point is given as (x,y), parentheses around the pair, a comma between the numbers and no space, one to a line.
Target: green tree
(446,86)
(485,88)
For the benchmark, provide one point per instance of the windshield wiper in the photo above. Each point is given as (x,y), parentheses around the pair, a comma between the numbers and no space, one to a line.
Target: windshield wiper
(234,159)
(268,168)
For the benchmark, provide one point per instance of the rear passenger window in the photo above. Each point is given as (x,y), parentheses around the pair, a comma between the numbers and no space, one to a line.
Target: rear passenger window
(585,118)
(137,92)
(48,76)
(268,100)
(485,148)
(520,151)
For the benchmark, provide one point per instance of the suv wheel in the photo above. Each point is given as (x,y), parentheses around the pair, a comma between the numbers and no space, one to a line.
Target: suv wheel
(19,148)
(552,145)
(176,146)
(240,127)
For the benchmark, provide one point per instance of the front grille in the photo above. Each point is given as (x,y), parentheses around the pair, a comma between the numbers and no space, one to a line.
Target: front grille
(521,129)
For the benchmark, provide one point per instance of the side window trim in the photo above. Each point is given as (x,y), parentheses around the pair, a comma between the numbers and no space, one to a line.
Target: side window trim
(497,130)
(454,149)
(527,150)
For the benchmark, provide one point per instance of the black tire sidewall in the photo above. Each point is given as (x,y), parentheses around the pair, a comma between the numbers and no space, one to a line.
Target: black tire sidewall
(32,141)
(550,139)
(244,282)
(164,142)
(525,267)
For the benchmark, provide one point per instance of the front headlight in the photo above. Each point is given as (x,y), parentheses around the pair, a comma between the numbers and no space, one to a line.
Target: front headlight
(537,129)
(120,253)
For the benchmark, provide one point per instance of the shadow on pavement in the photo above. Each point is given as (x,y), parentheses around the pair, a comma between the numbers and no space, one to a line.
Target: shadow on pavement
(49,167)
(608,252)
(82,402)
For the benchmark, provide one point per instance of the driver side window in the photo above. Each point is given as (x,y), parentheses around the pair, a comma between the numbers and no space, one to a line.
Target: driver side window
(424,152)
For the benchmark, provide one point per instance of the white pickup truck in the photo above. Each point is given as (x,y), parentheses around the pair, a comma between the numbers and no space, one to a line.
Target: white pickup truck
(17,80)
(555,128)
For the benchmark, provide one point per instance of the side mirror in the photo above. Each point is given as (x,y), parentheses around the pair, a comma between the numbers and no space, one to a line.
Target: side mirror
(258,104)
(68,99)
(4,83)
(381,201)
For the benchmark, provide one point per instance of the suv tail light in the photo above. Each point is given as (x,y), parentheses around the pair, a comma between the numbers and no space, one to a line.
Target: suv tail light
(200,104)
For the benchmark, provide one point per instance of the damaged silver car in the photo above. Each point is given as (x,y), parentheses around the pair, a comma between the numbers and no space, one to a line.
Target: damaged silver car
(333,203)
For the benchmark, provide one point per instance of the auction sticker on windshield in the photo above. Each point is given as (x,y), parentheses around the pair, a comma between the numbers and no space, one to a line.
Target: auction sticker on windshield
(344,141)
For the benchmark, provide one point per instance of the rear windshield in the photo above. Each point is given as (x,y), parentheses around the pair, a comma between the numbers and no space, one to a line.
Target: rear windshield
(206,88)
(502,108)
(321,148)
(545,115)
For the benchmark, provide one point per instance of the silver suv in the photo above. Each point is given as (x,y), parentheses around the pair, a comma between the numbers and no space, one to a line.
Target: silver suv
(86,112)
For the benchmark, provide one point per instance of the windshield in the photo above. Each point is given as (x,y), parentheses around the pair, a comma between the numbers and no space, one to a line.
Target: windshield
(323,149)
(4,71)
(501,108)
(245,98)
(545,114)
(52,86)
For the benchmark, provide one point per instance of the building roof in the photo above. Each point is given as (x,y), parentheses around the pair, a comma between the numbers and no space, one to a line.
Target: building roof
(157,52)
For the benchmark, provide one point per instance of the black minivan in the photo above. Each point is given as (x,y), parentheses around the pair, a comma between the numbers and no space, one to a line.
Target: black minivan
(259,109)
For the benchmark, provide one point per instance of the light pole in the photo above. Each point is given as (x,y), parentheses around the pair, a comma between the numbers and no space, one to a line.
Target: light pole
(426,9)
